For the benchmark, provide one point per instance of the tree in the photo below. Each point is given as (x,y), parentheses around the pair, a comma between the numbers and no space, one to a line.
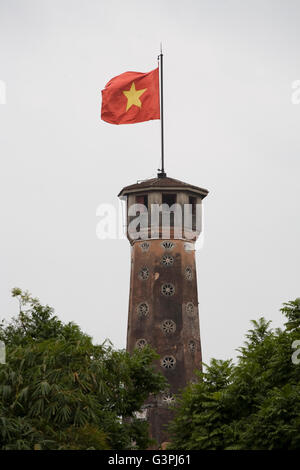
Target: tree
(60,391)
(253,404)
(292,311)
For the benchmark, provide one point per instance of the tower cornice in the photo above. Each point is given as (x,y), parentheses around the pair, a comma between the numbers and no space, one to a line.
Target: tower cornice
(162,184)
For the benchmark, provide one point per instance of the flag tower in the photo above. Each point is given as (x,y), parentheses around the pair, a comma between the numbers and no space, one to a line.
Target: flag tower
(163,299)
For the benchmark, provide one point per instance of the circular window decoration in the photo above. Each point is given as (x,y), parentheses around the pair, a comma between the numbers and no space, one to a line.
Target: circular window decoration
(188,273)
(168,399)
(143,309)
(144,274)
(145,246)
(168,326)
(167,260)
(192,346)
(189,308)
(141,343)
(167,245)
(168,362)
(168,289)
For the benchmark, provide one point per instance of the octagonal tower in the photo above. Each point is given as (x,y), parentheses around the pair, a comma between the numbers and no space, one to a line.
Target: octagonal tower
(163,299)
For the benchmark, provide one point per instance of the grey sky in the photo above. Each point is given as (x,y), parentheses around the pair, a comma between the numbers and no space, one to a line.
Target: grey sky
(229,127)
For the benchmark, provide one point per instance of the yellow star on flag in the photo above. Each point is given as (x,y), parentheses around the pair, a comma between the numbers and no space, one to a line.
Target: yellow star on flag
(133,96)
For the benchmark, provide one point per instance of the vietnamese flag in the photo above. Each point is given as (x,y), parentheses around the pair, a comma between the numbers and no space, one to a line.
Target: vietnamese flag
(131,97)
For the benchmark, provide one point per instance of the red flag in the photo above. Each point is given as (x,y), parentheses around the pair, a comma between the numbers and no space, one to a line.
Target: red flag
(131,97)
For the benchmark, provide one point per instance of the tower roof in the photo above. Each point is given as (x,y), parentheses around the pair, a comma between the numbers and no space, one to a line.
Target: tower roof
(156,184)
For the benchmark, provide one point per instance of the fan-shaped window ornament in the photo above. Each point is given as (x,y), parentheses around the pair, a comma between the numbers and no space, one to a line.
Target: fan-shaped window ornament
(168,399)
(192,346)
(144,274)
(167,245)
(145,246)
(168,289)
(189,308)
(141,343)
(168,327)
(188,273)
(168,362)
(143,309)
(167,260)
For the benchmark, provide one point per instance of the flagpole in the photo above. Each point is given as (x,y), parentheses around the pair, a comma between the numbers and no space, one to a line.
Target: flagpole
(161,173)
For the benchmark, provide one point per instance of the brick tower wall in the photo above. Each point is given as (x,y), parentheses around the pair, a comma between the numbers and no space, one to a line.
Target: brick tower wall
(163,312)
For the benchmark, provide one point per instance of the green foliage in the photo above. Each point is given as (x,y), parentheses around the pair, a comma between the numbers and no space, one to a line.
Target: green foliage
(254,404)
(200,412)
(292,311)
(59,391)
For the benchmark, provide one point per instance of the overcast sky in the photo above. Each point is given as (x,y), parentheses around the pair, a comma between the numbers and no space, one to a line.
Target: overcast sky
(230,127)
